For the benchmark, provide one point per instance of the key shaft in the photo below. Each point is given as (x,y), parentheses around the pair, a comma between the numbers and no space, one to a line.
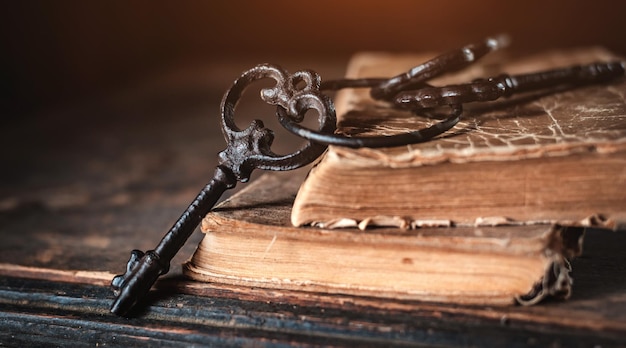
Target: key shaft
(145,268)
(246,150)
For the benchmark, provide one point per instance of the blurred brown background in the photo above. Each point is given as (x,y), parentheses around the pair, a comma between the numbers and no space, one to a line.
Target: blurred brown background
(57,52)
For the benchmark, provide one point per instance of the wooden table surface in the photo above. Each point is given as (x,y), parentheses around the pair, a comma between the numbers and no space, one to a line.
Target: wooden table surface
(82,185)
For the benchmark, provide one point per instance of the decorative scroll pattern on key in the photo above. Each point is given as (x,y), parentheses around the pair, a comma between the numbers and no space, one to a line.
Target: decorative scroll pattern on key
(293,95)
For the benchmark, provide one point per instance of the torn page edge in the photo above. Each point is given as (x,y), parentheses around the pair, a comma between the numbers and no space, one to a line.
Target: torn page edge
(566,244)
(616,223)
(556,283)
(381,221)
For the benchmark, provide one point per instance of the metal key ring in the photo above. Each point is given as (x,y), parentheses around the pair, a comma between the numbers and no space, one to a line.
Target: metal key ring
(418,136)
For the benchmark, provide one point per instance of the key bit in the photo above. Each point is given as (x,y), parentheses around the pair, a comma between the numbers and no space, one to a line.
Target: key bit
(246,150)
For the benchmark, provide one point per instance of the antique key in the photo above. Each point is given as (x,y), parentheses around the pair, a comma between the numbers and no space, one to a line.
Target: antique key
(246,150)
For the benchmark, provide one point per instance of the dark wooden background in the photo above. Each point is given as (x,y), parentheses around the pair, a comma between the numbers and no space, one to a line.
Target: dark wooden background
(109,128)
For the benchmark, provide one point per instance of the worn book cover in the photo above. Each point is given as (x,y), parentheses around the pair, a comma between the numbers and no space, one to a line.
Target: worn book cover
(249,241)
(553,156)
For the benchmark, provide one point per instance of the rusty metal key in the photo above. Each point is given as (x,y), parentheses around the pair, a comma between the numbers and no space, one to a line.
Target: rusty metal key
(246,150)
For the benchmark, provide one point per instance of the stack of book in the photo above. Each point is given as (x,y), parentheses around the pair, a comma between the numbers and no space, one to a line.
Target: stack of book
(488,213)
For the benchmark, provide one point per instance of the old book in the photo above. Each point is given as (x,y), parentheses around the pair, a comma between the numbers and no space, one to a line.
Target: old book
(556,156)
(528,165)
(249,241)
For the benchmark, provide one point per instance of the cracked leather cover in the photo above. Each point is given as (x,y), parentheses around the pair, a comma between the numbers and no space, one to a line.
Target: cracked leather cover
(540,124)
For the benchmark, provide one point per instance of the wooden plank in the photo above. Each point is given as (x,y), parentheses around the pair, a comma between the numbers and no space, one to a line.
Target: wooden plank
(58,313)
